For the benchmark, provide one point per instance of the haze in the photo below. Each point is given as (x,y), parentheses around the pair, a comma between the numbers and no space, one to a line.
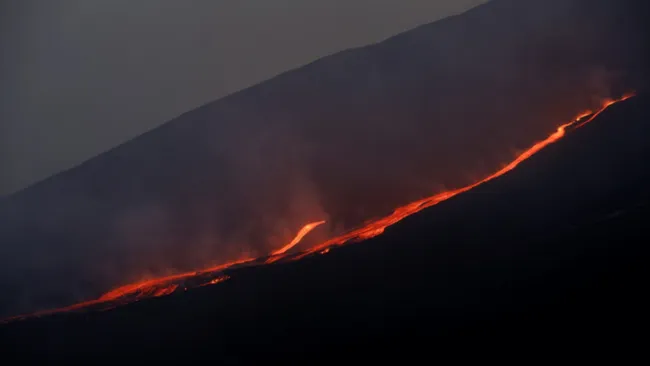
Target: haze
(80,77)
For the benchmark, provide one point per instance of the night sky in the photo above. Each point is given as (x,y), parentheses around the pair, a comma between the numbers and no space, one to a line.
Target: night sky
(80,77)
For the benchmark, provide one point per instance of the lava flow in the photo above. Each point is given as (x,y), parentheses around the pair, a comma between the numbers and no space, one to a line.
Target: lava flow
(168,285)
(301,234)
(277,255)
(378,226)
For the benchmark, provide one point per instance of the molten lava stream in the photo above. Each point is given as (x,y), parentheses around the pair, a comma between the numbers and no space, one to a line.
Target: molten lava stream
(378,226)
(278,254)
(167,285)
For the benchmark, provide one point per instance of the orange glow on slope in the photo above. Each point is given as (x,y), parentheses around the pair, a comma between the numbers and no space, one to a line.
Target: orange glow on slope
(157,287)
(216,280)
(606,104)
(378,226)
(168,285)
(144,288)
(160,286)
(301,234)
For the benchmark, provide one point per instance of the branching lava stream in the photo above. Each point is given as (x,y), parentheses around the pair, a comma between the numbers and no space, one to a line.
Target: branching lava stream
(301,234)
(171,284)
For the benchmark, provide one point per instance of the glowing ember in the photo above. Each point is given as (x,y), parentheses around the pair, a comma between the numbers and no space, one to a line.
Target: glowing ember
(168,285)
(217,280)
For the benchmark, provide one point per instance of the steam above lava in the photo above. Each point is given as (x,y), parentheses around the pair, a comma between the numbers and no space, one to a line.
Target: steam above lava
(170,284)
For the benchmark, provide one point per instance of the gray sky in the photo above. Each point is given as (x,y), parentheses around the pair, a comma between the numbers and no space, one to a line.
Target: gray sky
(82,76)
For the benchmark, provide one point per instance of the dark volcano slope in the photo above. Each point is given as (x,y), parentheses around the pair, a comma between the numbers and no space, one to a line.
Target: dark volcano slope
(554,251)
(346,138)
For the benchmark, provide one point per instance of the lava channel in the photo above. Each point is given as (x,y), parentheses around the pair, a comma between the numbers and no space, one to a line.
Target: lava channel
(168,285)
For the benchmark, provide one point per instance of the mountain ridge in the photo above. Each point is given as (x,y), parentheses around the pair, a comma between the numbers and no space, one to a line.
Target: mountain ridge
(233,94)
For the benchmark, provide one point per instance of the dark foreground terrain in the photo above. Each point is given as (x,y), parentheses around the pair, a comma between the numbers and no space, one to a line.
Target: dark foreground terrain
(552,255)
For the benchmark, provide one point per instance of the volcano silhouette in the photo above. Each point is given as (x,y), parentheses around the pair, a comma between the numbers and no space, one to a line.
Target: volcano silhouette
(554,244)
(555,248)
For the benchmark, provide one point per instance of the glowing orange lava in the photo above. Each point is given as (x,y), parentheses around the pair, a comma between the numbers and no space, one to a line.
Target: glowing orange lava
(157,287)
(301,234)
(378,226)
(168,285)
(606,104)
(217,280)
